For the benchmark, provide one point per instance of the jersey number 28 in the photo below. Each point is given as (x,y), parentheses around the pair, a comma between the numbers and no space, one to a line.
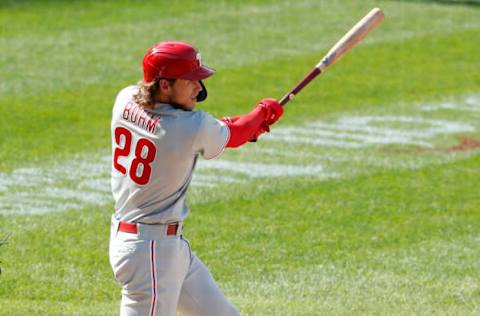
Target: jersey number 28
(139,175)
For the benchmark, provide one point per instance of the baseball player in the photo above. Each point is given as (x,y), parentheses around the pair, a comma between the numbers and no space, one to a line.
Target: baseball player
(157,136)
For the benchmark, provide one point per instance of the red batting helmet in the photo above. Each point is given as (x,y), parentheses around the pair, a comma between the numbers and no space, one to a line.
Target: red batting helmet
(174,60)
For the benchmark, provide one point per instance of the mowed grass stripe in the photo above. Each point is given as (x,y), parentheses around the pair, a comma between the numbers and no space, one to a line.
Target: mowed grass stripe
(54,16)
(61,124)
(338,147)
(391,242)
(247,34)
(388,242)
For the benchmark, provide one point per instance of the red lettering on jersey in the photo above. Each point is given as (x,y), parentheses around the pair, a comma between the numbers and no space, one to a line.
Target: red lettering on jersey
(126,110)
(135,114)
(152,123)
(140,167)
(141,120)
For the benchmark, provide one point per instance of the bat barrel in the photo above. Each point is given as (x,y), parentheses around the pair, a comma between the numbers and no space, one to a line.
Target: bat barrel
(347,42)
(352,37)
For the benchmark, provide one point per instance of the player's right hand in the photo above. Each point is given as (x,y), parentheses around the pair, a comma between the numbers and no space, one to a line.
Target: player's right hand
(273,111)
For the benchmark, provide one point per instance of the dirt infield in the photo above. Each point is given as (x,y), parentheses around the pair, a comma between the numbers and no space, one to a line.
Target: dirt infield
(465,144)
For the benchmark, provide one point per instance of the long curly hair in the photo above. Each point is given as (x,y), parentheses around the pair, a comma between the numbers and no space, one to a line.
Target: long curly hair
(147,92)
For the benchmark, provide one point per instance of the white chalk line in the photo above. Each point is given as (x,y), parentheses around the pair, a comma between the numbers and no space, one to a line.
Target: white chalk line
(85,181)
(471,104)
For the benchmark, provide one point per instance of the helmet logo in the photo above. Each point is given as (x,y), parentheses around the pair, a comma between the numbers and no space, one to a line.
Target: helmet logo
(155,50)
(199,58)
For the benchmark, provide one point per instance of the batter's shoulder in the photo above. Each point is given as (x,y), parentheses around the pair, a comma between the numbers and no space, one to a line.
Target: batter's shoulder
(128,91)
(201,115)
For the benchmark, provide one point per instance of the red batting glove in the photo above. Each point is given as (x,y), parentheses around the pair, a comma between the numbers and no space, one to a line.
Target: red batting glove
(264,128)
(273,111)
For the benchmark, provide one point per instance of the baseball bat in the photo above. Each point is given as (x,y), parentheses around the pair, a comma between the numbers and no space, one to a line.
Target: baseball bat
(346,43)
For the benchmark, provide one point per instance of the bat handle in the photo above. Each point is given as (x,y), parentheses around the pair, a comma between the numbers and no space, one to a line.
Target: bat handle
(311,75)
(284,100)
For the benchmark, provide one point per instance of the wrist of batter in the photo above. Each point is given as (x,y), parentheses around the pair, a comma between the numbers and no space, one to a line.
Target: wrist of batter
(244,128)
(230,119)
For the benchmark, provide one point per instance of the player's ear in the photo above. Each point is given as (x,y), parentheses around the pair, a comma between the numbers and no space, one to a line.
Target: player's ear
(164,90)
(164,86)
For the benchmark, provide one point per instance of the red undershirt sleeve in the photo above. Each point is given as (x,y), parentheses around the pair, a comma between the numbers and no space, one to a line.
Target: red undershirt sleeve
(243,128)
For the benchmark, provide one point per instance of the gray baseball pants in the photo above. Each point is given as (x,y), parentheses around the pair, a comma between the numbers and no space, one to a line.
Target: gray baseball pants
(160,275)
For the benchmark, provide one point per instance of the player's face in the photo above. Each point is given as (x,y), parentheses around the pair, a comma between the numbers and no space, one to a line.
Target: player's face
(184,93)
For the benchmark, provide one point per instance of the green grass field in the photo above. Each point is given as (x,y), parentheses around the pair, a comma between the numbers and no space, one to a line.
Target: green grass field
(363,200)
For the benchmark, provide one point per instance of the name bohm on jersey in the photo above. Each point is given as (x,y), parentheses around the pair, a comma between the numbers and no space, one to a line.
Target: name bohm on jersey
(135,114)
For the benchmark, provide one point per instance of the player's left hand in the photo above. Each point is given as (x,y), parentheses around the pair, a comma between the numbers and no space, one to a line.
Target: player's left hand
(264,128)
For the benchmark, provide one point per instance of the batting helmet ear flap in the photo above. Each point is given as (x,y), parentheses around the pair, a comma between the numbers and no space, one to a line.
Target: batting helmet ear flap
(202,95)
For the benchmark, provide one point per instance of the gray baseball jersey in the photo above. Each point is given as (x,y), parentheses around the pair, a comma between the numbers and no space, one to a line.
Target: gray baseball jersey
(154,155)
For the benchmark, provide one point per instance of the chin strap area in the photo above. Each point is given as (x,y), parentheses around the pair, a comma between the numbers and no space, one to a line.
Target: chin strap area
(202,95)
